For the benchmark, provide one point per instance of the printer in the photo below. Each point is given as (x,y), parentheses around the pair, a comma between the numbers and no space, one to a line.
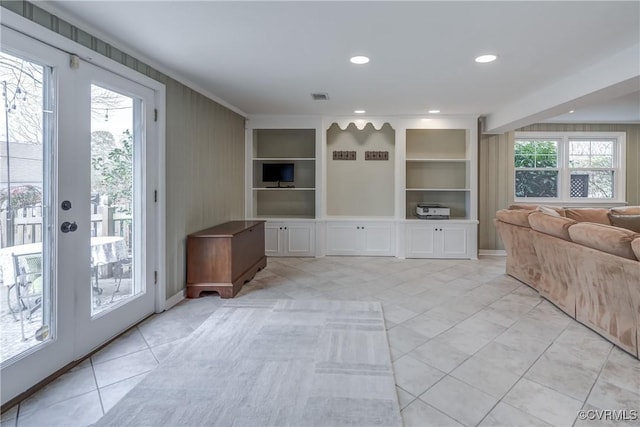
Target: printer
(432,211)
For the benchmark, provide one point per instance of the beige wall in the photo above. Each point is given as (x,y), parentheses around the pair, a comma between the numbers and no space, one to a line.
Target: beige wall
(204,173)
(360,187)
(496,172)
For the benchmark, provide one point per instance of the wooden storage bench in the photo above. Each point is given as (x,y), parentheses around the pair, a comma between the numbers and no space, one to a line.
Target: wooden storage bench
(224,257)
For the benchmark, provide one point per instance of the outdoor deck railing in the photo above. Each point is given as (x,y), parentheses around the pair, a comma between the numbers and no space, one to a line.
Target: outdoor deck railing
(27,225)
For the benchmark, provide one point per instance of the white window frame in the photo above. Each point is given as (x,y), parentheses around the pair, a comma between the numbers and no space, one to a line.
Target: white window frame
(564,171)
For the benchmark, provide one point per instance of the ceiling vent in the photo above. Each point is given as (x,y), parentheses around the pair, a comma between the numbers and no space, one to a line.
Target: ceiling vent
(320,96)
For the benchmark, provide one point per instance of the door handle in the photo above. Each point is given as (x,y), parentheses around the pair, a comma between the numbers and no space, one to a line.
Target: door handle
(68,227)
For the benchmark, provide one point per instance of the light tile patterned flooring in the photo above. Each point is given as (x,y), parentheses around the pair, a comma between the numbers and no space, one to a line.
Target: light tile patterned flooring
(471,346)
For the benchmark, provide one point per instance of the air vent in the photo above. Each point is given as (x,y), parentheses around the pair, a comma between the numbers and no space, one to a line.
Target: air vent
(320,96)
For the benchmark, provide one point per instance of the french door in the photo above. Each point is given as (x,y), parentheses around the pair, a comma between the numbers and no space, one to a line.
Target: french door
(78,216)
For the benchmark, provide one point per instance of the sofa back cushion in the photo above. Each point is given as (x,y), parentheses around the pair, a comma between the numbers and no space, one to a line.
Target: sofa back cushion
(635,245)
(517,216)
(526,207)
(626,210)
(605,238)
(630,222)
(556,226)
(597,215)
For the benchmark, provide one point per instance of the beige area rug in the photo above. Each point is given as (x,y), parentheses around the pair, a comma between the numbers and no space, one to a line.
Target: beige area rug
(272,363)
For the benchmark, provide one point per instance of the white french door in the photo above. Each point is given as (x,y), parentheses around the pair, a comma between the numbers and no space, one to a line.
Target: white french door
(87,273)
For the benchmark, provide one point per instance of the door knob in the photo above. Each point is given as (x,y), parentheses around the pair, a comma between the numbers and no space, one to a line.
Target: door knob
(68,227)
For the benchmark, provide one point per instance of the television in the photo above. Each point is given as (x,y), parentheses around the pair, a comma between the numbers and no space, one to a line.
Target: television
(277,172)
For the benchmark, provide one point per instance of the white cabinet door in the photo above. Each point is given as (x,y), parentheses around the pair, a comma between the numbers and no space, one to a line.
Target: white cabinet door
(377,239)
(361,238)
(420,241)
(343,239)
(272,238)
(299,239)
(453,241)
(438,240)
(289,239)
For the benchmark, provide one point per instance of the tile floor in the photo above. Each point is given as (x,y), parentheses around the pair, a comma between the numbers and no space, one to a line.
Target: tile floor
(471,346)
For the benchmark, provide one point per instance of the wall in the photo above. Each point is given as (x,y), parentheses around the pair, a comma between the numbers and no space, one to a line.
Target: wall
(360,187)
(204,149)
(496,171)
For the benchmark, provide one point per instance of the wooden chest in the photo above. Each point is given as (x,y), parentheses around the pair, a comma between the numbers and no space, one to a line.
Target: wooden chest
(224,257)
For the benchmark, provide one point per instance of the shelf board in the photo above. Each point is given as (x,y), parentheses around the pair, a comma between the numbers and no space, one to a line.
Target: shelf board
(283,159)
(432,160)
(284,217)
(438,189)
(284,189)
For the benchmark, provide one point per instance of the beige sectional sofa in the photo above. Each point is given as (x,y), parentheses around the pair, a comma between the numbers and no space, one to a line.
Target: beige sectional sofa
(583,260)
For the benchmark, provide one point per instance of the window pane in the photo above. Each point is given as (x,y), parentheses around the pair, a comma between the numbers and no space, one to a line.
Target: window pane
(112,195)
(536,154)
(26,310)
(536,183)
(592,184)
(586,154)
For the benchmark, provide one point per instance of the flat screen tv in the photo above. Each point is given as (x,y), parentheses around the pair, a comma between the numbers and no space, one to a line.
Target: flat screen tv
(277,172)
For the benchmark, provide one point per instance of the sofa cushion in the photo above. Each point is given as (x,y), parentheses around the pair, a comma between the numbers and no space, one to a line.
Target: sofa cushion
(554,225)
(516,217)
(626,210)
(605,238)
(523,207)
(549,211)
(597,215)
(630,222)
(635,245)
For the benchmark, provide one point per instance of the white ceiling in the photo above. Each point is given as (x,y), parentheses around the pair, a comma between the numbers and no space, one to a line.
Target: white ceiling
(268,57)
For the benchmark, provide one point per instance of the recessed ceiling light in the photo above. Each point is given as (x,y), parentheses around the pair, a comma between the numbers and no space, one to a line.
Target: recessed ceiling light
(571,111)
(359,60)
(359,111)
(434,111)
(486,58)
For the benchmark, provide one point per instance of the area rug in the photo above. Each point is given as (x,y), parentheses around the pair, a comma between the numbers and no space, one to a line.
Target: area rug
(272,363)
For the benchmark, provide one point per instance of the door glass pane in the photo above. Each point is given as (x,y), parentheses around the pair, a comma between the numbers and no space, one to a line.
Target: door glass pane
(113,141)
(26,311)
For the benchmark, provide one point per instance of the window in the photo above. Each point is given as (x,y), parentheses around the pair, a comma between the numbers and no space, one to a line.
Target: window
(569,167)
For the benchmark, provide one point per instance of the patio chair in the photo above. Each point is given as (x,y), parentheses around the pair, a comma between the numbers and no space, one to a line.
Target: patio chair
(26,291)
(119,269)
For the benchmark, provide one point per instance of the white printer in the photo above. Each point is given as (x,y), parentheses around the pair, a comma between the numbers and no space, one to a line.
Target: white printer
(432,211)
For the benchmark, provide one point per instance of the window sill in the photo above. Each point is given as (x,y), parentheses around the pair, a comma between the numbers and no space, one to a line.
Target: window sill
(571,203)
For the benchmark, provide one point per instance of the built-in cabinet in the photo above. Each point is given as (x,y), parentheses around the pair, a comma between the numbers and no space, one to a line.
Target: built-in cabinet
(289,238)
(362,238)
(439,239)
(357,183)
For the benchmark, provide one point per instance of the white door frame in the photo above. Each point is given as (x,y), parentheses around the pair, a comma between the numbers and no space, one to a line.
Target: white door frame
(22,25)
(62,352)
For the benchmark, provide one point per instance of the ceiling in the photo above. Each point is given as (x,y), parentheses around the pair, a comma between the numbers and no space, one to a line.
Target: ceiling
(268,57)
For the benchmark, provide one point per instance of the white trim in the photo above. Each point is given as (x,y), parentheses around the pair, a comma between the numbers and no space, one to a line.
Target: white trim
(174,300)
(563,138)
(161,286)
(491,252)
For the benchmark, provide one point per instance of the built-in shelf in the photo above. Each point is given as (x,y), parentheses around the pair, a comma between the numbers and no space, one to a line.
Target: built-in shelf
(437,169)
(295,146)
